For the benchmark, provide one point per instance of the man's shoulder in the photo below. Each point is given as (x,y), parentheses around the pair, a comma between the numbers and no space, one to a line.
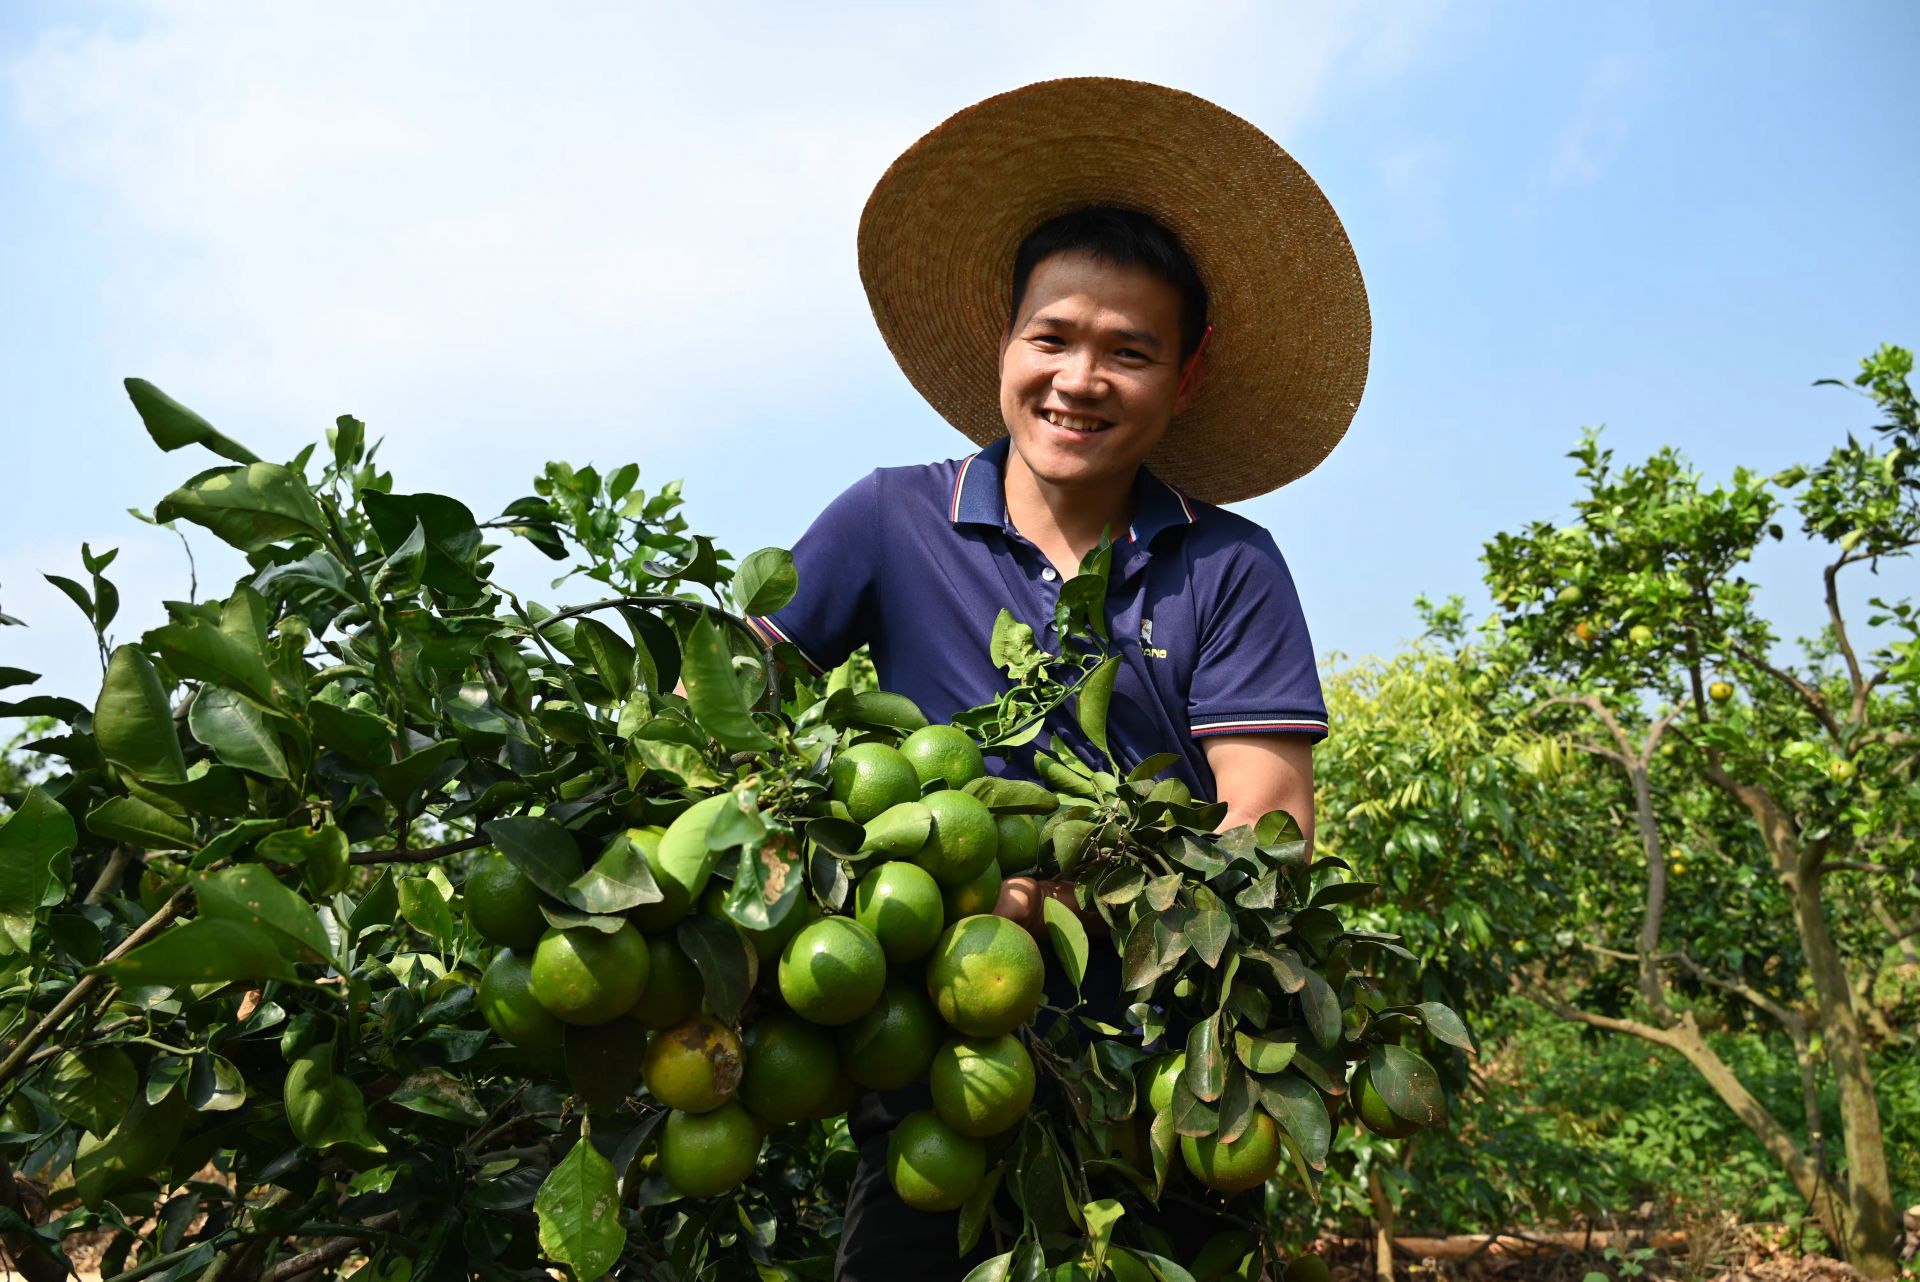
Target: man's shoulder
(1214,532)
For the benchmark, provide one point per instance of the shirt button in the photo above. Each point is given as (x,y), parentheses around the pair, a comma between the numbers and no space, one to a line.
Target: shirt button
(1049,574)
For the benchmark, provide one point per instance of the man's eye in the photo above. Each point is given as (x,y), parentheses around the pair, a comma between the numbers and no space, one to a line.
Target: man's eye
(1127,353)
(1049,340)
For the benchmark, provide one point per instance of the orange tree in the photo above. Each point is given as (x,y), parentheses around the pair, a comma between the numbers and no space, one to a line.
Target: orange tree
(373,913)
(1633,631)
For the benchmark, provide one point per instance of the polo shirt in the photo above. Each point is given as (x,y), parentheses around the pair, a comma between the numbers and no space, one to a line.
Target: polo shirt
(917,562)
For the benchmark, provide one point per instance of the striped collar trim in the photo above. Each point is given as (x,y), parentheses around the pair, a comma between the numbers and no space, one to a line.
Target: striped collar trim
(979,499)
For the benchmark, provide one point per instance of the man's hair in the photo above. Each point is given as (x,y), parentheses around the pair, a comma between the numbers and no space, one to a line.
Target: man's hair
(1122,238)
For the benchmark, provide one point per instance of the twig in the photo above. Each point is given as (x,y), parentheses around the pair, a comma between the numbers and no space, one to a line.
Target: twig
(425,855)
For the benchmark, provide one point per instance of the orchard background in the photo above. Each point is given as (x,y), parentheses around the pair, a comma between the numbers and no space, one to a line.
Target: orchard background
(1640,795)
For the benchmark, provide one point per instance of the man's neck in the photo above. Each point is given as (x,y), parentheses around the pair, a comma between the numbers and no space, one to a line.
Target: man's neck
(1065,523)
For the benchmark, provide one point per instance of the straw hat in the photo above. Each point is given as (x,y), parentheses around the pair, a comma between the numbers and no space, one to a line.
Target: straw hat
(1288,357)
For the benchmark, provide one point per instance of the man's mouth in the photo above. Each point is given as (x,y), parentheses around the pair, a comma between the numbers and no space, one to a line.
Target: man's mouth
(1076,422)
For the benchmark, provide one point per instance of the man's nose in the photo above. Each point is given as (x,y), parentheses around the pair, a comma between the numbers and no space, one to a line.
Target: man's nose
(1079,376)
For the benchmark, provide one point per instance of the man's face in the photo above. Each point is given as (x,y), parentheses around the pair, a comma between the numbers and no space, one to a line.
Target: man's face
(1089,371)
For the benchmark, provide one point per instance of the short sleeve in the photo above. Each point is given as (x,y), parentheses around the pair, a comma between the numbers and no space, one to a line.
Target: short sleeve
(1256,673)
(838,563)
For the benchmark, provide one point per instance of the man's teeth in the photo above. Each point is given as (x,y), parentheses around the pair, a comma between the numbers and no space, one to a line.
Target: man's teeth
(1072,422)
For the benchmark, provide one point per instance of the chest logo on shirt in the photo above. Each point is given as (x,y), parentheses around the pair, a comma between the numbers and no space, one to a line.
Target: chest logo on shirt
(1146,641)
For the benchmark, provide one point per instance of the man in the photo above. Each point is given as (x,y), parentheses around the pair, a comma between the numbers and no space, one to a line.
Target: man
(1088,276)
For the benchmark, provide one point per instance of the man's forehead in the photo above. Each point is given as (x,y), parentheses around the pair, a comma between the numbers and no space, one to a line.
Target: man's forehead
(1123,290)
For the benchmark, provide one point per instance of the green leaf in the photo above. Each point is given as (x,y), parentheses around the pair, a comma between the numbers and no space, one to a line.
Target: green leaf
(253,896)
(17,677)
(453,538)
(1152,766)
(1095,695)
(326,844)
(767,881)
(33,840)
(1069,938)
(1238,1103)
(611,655)
(765,581)
(898,830)
(542,850)
(725,960)
(399,575)
(377,909)
(173,426)
(133,821)
(250,507)
(1209,932)
(425,908)
(1263,1054)
(714,694)
(1322,1009)
(360,737)
(240,734)
(1206,1073)
(1013,796)
(200,952)
(74,593)
(879,709)
(579,1210)
(1445,1025)
(434,1092)
(1298,1108)
(1100,1215)
(415,771)
(92,1087)
(619,879)
(215,1085)
(202,651)
(1407,1084)
(324,1108)
(133,724)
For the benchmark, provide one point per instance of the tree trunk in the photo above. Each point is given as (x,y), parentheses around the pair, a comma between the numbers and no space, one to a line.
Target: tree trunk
(1875,1221)
(1382,1224)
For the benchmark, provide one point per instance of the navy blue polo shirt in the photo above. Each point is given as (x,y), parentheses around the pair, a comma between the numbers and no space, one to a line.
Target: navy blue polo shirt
(916,563)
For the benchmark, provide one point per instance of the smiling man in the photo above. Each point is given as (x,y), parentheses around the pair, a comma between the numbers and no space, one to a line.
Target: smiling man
(1140,307)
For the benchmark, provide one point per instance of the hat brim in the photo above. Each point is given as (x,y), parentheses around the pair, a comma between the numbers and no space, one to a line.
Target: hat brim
(1287,362)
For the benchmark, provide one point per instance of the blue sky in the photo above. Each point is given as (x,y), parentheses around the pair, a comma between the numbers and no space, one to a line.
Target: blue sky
(625,234)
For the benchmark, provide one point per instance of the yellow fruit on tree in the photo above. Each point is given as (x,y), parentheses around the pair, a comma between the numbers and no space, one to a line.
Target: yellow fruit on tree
(892,1044)
(707,1154)
(986,976)
(932,1166)
(792,1069)
(945,753)
(510,1008)
(1246,1163)
(586,976)
(869,778)
(982,1085)
(695,1066)
(832,971)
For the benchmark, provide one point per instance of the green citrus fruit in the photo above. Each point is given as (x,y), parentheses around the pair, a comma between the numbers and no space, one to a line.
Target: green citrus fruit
(706,1154)
(871,777)
(974,897)
(943,752)
(674,989)
(1307,1268)
(508,1003)
(1019,845)
(680,862)
(140,1147)
(832,971)
(792,1069)
(1640,634)
(694,1067)
(1166,1071)
(502,904)
(1372,1110)
(586,977)
(900,903)
(962,841)
(766,943)
(1720,691)
(932,1166)
(985,976)
(982,1085)
(1246,1163)
(892,1044)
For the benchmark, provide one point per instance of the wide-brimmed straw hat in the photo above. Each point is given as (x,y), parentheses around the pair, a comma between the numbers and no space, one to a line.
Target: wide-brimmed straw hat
(1288,357)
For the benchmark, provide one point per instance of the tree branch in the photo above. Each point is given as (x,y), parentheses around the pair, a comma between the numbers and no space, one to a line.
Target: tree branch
(425,855)
(1815,701)
(1855,680)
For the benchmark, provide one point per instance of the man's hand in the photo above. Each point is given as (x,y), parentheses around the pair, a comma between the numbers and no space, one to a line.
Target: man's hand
(1022,900)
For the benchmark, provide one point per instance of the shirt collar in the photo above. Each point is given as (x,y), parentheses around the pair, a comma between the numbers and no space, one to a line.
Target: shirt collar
(979,497)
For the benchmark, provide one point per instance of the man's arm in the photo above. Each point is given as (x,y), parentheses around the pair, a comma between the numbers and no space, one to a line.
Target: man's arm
(1255,773)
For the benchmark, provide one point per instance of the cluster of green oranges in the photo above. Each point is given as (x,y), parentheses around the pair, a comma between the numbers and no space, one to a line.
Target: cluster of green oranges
(918,980)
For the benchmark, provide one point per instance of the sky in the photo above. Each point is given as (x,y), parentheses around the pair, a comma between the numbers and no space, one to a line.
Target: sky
(626,232)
